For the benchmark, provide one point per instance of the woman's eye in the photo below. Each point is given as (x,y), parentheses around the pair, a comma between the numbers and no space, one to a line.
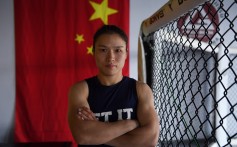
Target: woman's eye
(103,50)
(118,50)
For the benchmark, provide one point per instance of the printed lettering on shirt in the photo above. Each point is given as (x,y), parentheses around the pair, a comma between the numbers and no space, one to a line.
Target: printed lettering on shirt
(120,112)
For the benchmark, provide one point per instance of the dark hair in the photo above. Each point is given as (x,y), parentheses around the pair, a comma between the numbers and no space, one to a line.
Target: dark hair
(109,29)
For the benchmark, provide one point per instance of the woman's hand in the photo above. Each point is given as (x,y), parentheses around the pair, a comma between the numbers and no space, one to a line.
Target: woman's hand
(85,113)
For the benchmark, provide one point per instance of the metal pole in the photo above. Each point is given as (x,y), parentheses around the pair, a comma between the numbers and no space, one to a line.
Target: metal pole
(221,99)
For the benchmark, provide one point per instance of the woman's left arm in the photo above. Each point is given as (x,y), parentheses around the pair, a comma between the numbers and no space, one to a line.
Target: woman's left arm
(147,133)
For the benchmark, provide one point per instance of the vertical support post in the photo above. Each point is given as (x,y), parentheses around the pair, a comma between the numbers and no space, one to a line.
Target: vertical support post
(222,104)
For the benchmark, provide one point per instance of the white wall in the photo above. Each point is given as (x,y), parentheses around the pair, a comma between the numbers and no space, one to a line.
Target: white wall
(7,71)
(139,10)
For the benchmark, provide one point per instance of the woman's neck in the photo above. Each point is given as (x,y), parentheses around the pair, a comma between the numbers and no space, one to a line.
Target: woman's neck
(109,80)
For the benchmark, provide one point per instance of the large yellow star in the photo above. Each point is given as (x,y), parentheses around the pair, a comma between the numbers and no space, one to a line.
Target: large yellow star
(90,50)
(102,11)
(79,38)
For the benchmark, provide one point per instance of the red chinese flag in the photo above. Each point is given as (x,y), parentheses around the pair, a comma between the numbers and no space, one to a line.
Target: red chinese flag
(53,51)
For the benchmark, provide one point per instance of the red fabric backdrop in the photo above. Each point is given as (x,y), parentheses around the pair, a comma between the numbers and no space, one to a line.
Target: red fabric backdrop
(53,40)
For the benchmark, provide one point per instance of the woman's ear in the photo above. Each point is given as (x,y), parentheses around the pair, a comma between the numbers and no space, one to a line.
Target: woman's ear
(126,52)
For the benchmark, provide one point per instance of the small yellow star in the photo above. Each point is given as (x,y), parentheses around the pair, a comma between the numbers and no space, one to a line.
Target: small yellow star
(90,50)
(102,11)
(79,38)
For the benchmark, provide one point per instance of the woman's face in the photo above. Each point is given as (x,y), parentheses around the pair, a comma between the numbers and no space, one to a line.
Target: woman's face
(110,54)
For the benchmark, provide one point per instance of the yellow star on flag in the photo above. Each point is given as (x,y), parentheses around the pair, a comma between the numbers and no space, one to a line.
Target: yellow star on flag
(90,50)
(102,11)
(79,38)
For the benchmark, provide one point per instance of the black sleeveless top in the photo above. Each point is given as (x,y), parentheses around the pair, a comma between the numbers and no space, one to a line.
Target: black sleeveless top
(112,103)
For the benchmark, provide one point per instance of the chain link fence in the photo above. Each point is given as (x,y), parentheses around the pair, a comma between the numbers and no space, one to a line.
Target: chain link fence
(191,67)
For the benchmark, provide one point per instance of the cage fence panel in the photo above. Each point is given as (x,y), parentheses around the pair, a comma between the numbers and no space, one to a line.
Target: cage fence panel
(192,70)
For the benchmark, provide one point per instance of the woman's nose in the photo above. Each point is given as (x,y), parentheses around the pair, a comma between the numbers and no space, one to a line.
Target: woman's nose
(110,55)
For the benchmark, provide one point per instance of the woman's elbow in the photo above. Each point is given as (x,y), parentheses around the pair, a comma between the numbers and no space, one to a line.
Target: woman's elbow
(152,142)
(78,135)
(82,139)
(153,139)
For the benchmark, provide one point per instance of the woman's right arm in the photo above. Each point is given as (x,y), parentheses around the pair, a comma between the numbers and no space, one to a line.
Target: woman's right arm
(88,131)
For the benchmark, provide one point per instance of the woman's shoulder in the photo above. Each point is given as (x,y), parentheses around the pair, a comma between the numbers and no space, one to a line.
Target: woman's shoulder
(84,82)
(143,87)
